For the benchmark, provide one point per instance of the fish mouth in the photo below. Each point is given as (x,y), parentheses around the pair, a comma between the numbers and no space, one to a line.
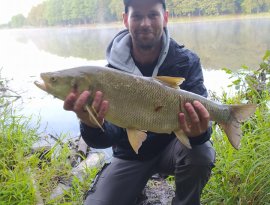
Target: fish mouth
(41,85)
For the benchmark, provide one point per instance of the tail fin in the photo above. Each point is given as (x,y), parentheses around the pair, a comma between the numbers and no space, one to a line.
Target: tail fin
(239,113)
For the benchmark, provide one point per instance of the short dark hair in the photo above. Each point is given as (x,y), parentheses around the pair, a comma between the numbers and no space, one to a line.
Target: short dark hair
(127,2)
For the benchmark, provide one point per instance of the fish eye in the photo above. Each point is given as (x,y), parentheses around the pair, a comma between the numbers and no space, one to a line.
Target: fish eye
(53,79)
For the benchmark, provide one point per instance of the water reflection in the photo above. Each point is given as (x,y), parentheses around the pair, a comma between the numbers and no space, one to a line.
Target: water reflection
(84,43)
(229,44)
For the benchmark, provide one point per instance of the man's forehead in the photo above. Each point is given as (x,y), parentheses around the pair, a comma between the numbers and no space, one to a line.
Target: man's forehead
(130,2)
(126,2)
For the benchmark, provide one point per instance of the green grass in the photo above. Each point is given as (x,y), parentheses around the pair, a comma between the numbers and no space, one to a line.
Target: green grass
(14,149)
(242,177)
(24,177)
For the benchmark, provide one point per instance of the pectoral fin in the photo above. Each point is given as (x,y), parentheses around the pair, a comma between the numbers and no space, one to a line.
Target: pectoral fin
(173,82)
(92,116)
(183,138)
(136,138)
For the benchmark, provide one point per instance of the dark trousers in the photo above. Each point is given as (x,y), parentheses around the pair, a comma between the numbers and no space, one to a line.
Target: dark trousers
(122,181)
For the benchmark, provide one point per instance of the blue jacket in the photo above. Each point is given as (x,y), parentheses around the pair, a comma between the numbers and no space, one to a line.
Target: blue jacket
(178,62)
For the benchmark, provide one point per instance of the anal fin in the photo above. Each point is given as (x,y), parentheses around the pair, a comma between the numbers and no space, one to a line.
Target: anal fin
(183,138)
(136,138)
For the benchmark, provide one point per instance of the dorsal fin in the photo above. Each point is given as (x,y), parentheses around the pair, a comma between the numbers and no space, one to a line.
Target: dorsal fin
(173,82)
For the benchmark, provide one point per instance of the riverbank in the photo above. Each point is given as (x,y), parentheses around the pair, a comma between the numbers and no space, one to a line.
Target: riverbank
(184,19)
(219,18)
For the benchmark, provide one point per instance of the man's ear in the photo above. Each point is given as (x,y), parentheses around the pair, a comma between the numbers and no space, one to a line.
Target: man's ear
(125,19)
(166,17)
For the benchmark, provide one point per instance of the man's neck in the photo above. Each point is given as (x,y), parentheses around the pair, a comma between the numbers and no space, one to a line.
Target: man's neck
(146,56)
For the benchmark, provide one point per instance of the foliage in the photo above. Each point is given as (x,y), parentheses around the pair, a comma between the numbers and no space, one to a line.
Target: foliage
(74,12)
(216,7)
(37,16)
(16,138)
(28,177)
(17,21)
(241,176)
(7,96)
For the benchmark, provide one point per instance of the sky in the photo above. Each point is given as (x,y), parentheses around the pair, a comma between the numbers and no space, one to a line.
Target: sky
(9,8)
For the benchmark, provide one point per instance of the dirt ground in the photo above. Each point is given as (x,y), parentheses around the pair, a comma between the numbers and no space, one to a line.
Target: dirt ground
(158,192)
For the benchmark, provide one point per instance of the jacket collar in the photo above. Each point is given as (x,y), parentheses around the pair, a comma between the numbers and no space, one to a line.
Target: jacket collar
(119,56)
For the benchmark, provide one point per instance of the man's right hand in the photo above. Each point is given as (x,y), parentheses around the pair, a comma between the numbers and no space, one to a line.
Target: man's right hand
(76,103)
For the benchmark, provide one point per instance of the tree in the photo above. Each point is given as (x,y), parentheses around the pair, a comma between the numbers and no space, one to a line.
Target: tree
(36,16)
(116,8)
(255,6)
(54,12)
(228,7)
(209,7)
(17,21)
(67,12)
(184,7)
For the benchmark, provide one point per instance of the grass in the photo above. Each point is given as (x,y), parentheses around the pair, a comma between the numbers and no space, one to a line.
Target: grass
(242,177)
(25,177)
(14,148)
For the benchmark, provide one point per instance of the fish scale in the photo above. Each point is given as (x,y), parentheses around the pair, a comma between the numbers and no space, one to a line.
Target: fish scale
(144,114)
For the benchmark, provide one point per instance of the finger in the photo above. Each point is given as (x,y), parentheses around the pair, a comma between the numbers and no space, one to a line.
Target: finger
(194,118)
(195,123)
(81,102)
(97,101)
(70,101)
(103,109)
(183,123)
(203,114)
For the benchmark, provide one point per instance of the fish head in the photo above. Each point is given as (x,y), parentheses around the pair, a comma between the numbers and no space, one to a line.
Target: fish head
(61,83)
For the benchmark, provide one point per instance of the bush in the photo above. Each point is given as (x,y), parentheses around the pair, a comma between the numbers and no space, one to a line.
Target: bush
(242,177)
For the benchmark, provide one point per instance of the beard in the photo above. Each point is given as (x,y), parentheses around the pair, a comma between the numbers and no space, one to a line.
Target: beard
(145,39)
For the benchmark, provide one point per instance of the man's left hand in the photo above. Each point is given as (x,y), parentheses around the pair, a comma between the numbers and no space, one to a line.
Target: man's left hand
(198,119)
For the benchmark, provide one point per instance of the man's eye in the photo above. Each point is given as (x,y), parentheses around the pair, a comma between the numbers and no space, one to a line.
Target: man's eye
(152,16)
(136,17)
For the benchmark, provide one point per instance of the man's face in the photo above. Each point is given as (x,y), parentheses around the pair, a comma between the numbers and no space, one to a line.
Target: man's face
(145,21)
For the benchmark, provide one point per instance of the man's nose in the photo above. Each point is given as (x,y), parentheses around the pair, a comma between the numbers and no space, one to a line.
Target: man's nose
(145,21)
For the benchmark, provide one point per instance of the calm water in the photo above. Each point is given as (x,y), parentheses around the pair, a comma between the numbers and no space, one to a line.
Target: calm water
(26,53)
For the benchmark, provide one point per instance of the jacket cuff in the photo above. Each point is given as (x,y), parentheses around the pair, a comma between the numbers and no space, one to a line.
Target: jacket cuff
(202,138)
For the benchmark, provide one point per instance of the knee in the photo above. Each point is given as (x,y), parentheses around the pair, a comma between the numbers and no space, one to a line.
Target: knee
(200,155)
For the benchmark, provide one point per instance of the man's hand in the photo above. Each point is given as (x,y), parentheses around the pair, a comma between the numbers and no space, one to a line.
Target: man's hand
(76,103)
(199,119)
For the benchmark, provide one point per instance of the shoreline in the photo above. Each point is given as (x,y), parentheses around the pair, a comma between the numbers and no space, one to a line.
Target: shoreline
(183,19)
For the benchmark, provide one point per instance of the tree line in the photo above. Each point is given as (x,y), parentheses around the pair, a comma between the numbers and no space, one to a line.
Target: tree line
(74,12)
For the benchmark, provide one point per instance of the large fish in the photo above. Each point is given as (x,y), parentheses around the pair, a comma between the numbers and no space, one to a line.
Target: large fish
(142,104)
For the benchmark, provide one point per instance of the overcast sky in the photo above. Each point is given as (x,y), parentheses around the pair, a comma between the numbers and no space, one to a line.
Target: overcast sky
(9,8)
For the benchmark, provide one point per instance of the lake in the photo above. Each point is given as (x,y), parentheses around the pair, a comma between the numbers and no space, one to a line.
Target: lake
(27,52)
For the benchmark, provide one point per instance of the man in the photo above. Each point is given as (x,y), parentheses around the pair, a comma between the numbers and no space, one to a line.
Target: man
(145,48)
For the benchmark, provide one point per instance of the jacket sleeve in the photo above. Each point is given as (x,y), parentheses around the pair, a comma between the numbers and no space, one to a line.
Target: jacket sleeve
(195,83)
(96,138)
